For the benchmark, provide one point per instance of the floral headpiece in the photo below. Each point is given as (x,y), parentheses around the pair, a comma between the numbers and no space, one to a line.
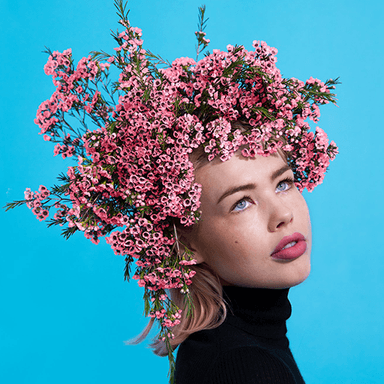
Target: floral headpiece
(133,171)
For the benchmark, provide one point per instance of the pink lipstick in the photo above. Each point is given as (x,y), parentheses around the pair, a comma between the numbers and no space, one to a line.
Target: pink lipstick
(290,247)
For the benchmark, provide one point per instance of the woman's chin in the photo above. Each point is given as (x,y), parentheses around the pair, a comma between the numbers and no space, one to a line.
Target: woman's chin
(299,277)
(294,276)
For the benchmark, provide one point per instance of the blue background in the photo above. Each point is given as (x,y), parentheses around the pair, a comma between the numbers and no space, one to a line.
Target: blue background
(64,307)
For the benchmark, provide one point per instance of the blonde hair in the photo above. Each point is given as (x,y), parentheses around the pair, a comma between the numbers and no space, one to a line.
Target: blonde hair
(208,310)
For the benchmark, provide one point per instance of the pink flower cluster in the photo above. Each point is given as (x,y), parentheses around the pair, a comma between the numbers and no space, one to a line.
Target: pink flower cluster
(34,202)
(72,93)
(66,151)
(164,278)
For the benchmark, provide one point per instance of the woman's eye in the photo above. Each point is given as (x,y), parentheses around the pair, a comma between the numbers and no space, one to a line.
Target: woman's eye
(242,204)
(284,185)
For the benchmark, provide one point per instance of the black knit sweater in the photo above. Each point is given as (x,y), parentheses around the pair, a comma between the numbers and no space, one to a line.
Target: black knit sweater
(249,347)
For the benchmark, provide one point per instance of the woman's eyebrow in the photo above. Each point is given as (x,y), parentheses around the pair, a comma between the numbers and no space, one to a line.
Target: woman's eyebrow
(280,171)
(249,186)
(233,190)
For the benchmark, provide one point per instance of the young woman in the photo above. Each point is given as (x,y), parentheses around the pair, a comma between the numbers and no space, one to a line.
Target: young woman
(254,242)
(195,174)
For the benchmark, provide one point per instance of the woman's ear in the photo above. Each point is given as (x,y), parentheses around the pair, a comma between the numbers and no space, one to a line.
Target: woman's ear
(185,238)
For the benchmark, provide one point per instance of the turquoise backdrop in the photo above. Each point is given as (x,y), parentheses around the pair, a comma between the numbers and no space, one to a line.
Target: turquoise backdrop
(64,307)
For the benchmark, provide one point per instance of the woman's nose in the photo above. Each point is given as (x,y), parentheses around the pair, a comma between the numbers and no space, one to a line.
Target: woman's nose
(280,215)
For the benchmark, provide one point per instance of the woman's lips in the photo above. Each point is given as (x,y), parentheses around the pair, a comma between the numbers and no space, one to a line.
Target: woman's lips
(293,251)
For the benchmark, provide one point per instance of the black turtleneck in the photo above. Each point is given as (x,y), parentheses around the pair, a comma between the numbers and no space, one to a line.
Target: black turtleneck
(250,346)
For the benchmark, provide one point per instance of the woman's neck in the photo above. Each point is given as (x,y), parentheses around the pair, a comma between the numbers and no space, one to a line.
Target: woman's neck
(260,311)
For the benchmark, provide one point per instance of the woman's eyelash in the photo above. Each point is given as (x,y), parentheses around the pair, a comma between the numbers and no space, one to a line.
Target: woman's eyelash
(289,180)
(244,198)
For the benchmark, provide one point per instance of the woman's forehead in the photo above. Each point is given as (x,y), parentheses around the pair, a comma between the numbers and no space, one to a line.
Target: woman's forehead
(238,169)
(200,159)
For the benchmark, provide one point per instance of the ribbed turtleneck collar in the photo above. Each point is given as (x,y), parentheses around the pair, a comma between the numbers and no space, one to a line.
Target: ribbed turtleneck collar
(259,311)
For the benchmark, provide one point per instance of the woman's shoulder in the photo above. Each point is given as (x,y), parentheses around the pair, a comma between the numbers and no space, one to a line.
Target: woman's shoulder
(213,342)
(228,355)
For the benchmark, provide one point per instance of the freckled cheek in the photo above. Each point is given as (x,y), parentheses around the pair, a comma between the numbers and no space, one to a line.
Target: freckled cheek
(307,216)
(306,221)
(210,238)
(301,208)
(217,243)
(309,238)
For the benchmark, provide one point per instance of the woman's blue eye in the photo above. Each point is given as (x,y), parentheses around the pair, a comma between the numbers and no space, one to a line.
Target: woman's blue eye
(284,185)
(241,205)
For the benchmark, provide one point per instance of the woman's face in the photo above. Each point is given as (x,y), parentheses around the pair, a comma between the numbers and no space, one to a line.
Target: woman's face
(240,229)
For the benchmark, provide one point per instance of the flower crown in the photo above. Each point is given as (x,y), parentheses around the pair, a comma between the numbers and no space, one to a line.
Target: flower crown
(133,171)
